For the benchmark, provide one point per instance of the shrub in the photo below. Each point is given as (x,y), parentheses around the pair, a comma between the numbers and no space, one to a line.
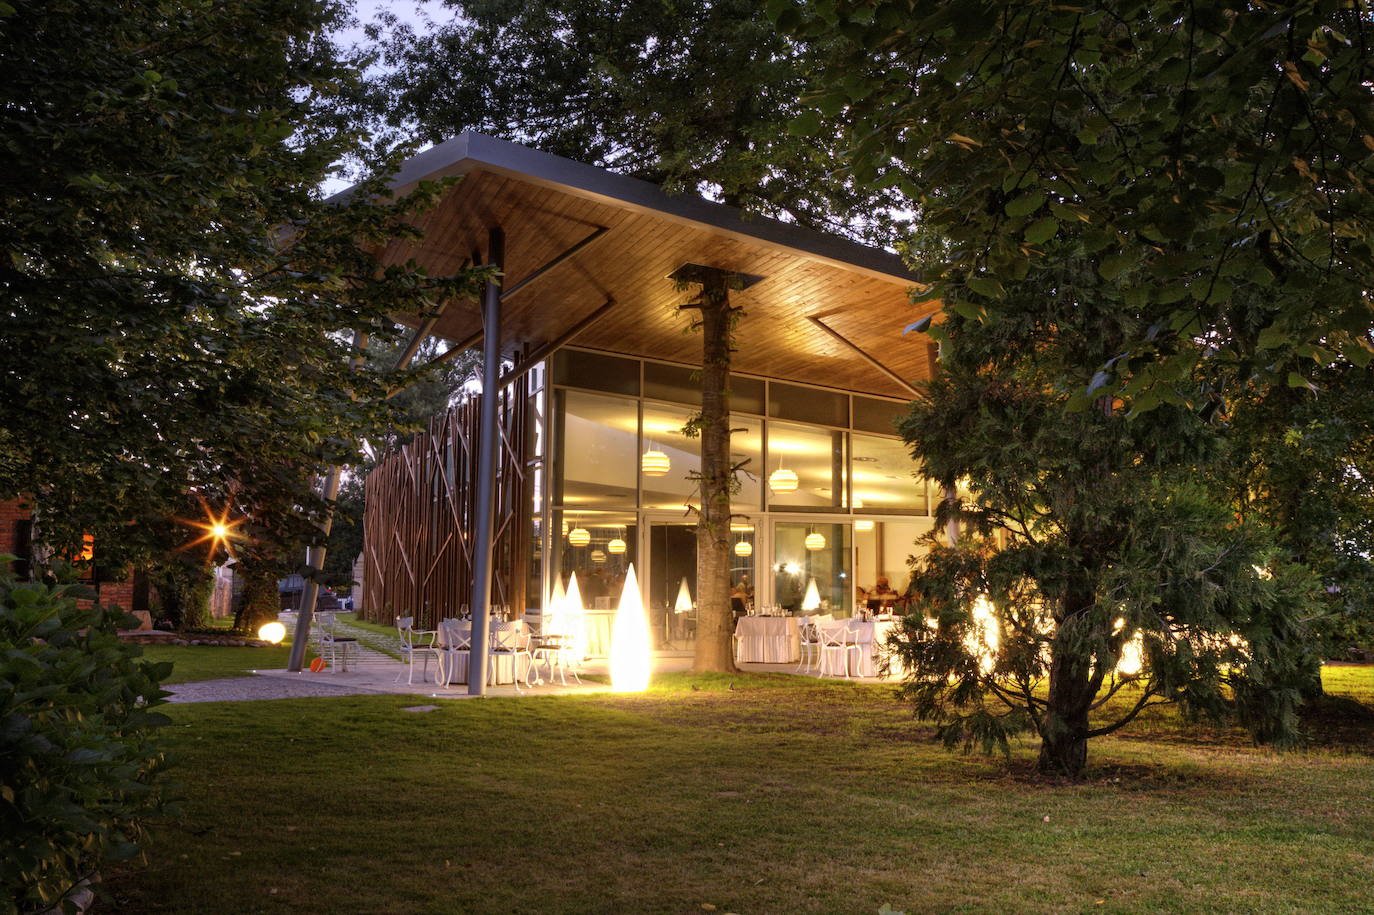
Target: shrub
(79,770)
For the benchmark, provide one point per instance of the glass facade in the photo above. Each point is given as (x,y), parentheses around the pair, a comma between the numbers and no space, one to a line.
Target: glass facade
(847,507)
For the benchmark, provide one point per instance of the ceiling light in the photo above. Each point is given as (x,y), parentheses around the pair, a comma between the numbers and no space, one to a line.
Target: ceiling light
(578,536)
(815,541)
(782,481)
(654,463)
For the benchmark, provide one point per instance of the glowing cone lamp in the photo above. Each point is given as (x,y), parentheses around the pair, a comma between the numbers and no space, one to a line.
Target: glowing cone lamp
(630,641)
(684,599)
(574,617)
(812,599)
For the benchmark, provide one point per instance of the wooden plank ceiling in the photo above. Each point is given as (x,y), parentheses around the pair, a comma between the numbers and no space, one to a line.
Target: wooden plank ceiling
(631,263)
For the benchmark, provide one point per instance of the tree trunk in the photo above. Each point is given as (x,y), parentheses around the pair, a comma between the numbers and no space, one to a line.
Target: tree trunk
(1064,724)
(715,621)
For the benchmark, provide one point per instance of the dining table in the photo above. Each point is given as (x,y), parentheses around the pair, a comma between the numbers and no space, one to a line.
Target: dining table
(768,639)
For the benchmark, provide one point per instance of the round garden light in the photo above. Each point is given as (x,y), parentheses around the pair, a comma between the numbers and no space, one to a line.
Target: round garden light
(272,632)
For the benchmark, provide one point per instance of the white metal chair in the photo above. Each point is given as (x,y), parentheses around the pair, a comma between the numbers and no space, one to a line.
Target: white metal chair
(405,628)
(556,650)
(810,650)
(455,641)
(337,647)
(836,644)
(510,640)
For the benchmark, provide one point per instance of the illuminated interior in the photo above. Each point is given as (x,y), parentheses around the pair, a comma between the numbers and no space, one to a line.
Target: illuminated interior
(858,492)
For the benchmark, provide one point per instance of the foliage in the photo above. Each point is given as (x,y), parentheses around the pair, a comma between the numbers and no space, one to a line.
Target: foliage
(184,586)
(175,287)
(694,96)
(1305,466)
(81,771)
(1214,157)
(259,601)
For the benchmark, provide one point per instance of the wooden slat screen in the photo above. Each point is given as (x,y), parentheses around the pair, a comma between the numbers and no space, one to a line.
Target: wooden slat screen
(419,520)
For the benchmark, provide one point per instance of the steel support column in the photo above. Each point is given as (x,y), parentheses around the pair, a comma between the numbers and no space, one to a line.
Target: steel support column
(487,455)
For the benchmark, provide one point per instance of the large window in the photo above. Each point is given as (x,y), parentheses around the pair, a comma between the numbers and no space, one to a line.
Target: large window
(811,567)
(884,476)
(670,459)
(806,467)
(599,547)
(884,547)
(598,450)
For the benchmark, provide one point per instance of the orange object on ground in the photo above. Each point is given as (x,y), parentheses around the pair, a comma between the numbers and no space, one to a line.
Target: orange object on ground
(317,665)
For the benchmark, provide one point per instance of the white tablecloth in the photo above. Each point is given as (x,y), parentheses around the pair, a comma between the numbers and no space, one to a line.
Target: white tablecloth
(768,639)
(505,666)
(596,633)
(873,634)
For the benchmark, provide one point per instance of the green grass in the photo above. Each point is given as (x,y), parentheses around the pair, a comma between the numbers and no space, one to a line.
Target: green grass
(776,795)
(211,662)
(383,645)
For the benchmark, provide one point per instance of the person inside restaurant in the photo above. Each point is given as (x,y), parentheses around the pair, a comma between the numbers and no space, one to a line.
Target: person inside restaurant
(880,596)
(741,596)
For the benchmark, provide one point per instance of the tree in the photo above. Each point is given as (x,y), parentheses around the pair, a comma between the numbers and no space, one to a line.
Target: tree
(1148,208)
(176,289)
(1217,155)
(1121,577)
(693,96)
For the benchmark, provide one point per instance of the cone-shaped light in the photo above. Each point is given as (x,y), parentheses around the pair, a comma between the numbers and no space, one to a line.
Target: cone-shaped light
(684,598)
(630,641)
(554,617)
(574,618)
(812,600)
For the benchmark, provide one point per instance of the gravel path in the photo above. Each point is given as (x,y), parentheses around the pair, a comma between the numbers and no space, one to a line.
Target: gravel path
(240,689)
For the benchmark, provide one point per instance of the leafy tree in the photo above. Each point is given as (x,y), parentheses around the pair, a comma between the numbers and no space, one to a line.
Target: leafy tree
(693,96)
(1216,156)
(1305,467)
(1121,578)
(174,284)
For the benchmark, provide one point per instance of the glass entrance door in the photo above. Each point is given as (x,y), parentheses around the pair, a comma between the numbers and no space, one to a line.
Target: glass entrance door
(671,583)
(811,567)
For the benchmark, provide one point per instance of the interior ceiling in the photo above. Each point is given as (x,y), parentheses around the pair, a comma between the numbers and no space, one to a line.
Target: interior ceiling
(631,262)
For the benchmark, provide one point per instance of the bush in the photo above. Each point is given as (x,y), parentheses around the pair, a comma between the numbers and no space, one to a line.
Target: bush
(79,771)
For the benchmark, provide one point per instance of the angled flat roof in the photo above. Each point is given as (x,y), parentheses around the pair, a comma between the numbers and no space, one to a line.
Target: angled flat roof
(820,298)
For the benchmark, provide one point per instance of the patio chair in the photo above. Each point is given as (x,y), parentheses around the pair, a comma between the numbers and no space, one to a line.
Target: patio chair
(837,641)
(337,647)
(810,649)
(405,627)
(510,640)
(455,641)
(556,651)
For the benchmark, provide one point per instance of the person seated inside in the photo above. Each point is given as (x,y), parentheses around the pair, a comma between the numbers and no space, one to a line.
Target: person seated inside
(881,596)
(741,595)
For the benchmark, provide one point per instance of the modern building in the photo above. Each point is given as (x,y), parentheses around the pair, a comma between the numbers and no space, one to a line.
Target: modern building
(598,386)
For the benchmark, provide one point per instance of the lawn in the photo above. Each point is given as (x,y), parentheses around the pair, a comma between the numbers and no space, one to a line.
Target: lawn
(776,795)
(210,662)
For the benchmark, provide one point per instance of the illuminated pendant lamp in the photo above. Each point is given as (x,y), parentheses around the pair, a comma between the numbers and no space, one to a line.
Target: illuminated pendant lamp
(782,481)
(815,541)
(578,536)
(863,525)
(598,556)
(812,599)
(654,463)
(616,546)
(744,549)
(630,652)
